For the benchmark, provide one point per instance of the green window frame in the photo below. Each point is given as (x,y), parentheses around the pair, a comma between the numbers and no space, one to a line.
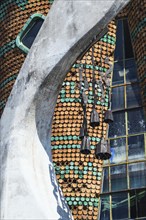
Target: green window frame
(25,30)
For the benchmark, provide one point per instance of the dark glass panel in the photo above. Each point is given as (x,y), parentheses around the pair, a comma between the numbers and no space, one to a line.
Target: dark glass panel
(131,70)
(137,175)
(118,98)
(118,150)
(105,180)
(136,122)
(32,32)
(133,204)
(141,203)
(117,128)
(119,41)
(133,96)
(136,147)
(118,177)
(127,41)
(137,203)
(105,208)
(119,206)
(118,73)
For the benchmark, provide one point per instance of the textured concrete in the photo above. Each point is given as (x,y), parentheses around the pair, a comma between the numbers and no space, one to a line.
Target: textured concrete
(28,184)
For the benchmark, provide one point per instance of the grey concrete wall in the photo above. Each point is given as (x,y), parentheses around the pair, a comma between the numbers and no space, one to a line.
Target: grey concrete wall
(29,189)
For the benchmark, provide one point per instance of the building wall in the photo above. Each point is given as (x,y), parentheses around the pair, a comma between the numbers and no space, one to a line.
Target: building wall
(14,15)
(79,176)
(137,20)
(123,194)
(135,12)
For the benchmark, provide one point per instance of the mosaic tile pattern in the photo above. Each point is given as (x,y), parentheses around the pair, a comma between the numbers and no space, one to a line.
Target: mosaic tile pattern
(78,175)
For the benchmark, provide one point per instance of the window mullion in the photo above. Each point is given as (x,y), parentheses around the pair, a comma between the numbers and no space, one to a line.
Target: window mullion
(110,199)
(129,214)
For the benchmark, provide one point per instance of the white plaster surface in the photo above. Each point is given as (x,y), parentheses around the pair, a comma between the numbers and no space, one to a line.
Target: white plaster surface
(28,185)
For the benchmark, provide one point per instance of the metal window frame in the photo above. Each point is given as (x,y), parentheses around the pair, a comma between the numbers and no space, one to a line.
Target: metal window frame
(108,165)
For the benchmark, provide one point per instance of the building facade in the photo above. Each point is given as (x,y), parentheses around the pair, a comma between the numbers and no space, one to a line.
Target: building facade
(116,189)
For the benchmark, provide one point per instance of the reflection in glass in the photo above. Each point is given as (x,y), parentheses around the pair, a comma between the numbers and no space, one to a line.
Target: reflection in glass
(117,128)
(31,34)
(127,41)
(137,203)
(118,177)
(133,95)
(130,70)
(136,122)
(119,206)
(118,150)
(118,55)
(105,208)
(105,180)
(118,98)
(118,73)
(141,203)
(133,204)
(137,175)
(136,147)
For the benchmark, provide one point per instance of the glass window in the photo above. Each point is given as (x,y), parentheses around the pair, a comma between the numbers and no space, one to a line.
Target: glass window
(133,95)
(125,173)
(133,204)
(141,203)
(118,73)
(117,128)
(119,206)
(127,41)
(118,150)
(130,70)
(137,175)
(136,122)
(105,208)
(30,35)
(118,98)
(29,32)
(118,55)
(118,177)
(136,147)
(105,180)
(137,203)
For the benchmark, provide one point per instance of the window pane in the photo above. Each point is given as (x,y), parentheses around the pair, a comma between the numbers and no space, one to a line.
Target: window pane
(118,73)
(127,41)
(141,203)
(119,41)
(118,177)
(131,70)
(137,175)
(117,128)
(119,206)
(118,98)
(31,34)
(136,123)
(118,150)
(137,203)
(105,208)
(133,204)
(105,180)
(136,147)
(133,95)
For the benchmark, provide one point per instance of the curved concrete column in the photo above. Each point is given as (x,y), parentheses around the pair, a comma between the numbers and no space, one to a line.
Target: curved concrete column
(29,189)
